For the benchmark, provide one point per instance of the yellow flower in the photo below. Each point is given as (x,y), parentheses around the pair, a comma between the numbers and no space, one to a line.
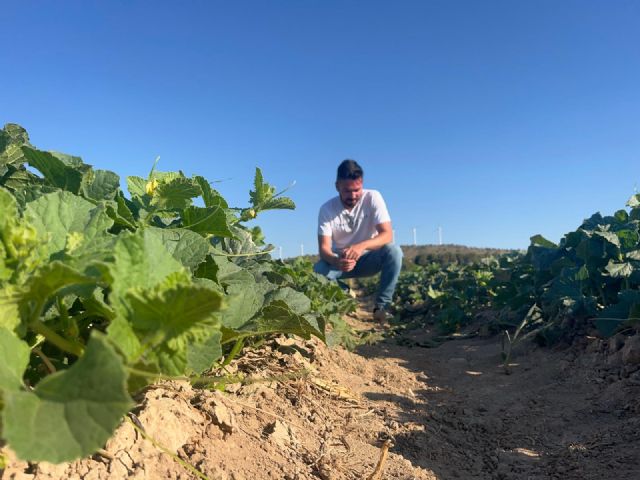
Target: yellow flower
(151,186)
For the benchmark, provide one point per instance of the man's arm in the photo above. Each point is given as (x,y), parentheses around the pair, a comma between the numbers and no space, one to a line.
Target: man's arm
(324,248)
(385,235)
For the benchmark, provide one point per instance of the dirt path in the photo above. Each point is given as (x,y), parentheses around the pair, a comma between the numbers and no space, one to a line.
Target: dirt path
(308,412)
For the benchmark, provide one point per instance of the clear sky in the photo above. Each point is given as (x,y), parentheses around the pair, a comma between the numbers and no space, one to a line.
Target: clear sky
(496,120)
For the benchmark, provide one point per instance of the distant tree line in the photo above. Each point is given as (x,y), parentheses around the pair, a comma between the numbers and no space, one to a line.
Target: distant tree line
(442,254)
(446,254)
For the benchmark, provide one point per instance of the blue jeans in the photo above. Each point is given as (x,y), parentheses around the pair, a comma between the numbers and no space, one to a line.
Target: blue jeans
(387,260)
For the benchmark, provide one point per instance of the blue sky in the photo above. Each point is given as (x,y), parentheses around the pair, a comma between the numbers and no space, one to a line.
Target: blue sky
(496,120)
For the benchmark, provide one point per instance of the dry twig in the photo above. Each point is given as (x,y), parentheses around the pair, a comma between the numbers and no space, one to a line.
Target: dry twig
(384,451)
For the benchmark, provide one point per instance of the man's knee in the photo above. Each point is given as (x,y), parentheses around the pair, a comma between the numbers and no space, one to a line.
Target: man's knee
(393,253)
(321,267)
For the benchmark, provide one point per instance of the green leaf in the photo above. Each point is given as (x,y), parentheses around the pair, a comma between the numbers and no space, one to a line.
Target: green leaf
(201,356)
(619,270)
(633,255)
(264,196)
(72,413)
(207,221)
(186,246)
(25,304)
(54,170)
(12,138)
(9,209)
(141,261)
(298,302)
(241,243)
(634,201)
(243,299)
(279,203)
(628,238)
(176,194)
(15,357)
(210,196)
(610,237)
(59,214)
(620,313)
(166,320)
(540,241)
(136,186)
(100,185)
(277,317)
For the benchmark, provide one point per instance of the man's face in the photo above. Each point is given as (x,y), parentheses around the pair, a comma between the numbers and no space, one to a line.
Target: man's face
(350,191)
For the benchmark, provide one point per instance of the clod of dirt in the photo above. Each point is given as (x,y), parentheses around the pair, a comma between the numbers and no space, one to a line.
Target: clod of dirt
(223,417)
(631,351)
(280,433)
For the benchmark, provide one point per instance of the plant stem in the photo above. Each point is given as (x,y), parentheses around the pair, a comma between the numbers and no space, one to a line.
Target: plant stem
(59,341)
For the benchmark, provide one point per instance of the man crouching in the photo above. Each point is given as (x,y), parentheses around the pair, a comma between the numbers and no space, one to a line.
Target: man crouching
(355,237)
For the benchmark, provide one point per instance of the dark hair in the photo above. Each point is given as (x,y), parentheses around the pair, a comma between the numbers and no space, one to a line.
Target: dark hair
(349,170)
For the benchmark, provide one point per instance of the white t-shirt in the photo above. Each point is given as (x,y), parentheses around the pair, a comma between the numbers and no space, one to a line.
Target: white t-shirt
(348,227)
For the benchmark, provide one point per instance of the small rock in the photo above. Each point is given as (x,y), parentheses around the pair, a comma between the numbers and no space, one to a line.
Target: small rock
(616,342)
(280,433)
(631,351)
(223,417)
(615,359)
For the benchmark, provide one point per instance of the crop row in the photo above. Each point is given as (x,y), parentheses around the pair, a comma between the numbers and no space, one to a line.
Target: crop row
(102,294)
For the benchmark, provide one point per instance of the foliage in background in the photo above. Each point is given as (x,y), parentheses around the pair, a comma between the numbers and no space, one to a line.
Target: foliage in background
(590,279)
(102,294)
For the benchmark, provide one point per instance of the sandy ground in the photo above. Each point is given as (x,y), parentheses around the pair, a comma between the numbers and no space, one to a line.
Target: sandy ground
(449,412)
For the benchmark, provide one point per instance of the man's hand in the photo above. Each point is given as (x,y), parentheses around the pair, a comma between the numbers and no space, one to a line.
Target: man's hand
(353,252)
(346,264)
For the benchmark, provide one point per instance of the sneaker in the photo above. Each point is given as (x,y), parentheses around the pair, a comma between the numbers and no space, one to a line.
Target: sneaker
(381,315)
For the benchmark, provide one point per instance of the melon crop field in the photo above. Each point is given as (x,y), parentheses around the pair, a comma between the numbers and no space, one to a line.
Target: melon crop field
(101,294)
(150,334)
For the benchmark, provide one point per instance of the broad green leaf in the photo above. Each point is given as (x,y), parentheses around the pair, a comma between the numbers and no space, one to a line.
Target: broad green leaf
(608,326)
(619,314)
(207,221)
(210,196)
(54,170)
(277,317)
(634,201)
(628,238)
(264,197)
(262,191)
(243,301)
(136,186)
(12,138)
(610,237)
(619,270)
(202,355)
(25,304)
(70,414)
(186,246)
(9,209)
(141,261)
(100,185)
(540,241)
(167,320)
(621,216)
(298,302)
(241,243)
(279,203)
(59,214)
(224,266)
(633,255)
(15,358)
(176,194)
